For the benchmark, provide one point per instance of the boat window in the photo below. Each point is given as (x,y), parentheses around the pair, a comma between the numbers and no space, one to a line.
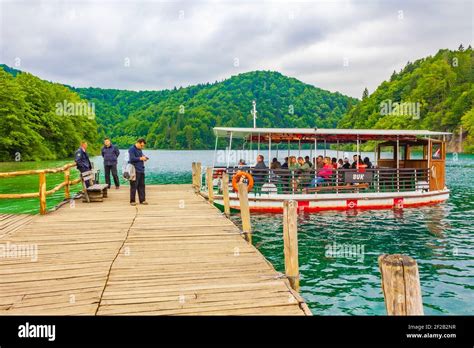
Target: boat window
(436,151)
(416,152)
(387,152)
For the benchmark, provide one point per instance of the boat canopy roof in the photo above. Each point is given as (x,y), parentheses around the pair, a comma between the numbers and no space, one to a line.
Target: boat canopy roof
(307,135)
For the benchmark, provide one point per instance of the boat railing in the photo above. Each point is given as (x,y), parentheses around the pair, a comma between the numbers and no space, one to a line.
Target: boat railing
(285,181)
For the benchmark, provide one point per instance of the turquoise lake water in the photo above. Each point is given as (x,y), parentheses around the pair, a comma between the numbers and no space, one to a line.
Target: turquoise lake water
(438,237)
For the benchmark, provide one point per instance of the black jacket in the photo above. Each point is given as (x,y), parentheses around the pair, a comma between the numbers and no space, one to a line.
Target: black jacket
(110,155)
(82,160)
(134,158)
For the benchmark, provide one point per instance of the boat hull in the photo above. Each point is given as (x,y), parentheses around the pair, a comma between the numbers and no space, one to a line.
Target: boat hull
(273,203)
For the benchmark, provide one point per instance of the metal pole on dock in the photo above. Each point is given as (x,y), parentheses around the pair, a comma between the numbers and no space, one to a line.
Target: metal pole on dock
(245,211)
(290,239)
(400,284)
(225,193)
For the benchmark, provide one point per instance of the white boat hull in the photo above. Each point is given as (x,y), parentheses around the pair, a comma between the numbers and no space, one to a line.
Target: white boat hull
(273,203)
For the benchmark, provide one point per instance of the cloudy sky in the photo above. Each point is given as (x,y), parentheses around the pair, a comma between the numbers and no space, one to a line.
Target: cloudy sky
(336,45)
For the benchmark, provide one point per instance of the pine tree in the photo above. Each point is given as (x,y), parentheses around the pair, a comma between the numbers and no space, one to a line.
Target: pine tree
(365,94)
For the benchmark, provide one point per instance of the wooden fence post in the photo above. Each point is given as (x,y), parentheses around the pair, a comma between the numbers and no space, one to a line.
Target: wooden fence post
(245,211)
(42,193)
(225,193)
(193,174)
(210,188)
(290,240)
(401,285)
(67,176)
(198,177)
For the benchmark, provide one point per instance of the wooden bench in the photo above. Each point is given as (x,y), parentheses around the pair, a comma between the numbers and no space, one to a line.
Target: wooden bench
(363,186)
(95,192)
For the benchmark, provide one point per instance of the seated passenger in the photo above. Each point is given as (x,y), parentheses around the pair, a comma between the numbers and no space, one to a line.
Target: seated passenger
(319,162)
(293,165)
(340,163)
(305,168)
(367,162)
(306,159)
(285,165)
(325,173)
(346,164)
(334,162)
(275,164)
(241,164)
(259,170)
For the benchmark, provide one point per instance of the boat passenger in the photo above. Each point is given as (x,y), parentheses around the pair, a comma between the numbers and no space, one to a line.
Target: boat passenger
(346,164)
(368,163)
(357,162)
(285,165)
(259,170)
(319,163)
(293,165)
(304,169)
(334,162)
(275,164)
(340,163)
(306,159)
(324,174)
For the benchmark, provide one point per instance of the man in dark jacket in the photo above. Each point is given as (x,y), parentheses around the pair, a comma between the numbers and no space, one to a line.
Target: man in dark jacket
(110,154)
(137,159)
(82,159)
(260,170)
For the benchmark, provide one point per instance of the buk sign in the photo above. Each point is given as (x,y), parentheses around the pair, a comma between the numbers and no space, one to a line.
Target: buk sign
(357,177)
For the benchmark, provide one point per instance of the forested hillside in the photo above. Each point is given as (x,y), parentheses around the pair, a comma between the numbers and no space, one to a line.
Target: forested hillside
(442,85)
(183,118)
(35,125)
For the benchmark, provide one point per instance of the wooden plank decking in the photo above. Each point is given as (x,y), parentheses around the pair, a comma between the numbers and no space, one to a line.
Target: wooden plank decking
(178,255)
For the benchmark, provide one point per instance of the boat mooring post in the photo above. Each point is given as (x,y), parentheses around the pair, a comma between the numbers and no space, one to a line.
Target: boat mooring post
(198,176)
(194,175)
(225,193)
(400,284)
(210,188)
(290,240)
(245,211)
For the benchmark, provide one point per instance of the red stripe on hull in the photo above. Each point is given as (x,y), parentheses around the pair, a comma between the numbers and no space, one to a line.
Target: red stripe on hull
(307,209)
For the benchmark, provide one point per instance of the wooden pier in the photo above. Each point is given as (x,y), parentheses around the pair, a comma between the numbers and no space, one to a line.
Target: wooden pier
(179,255)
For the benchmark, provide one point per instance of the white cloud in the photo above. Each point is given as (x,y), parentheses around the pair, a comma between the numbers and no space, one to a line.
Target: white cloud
(172,43)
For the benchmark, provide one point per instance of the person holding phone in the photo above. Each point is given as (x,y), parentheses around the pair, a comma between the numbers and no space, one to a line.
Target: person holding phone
(137,159)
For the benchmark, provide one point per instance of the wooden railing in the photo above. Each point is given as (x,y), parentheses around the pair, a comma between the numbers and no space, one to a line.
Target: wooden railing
(42,192)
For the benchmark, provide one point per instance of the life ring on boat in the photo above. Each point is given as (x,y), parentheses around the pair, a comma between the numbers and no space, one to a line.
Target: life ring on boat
(237,177)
